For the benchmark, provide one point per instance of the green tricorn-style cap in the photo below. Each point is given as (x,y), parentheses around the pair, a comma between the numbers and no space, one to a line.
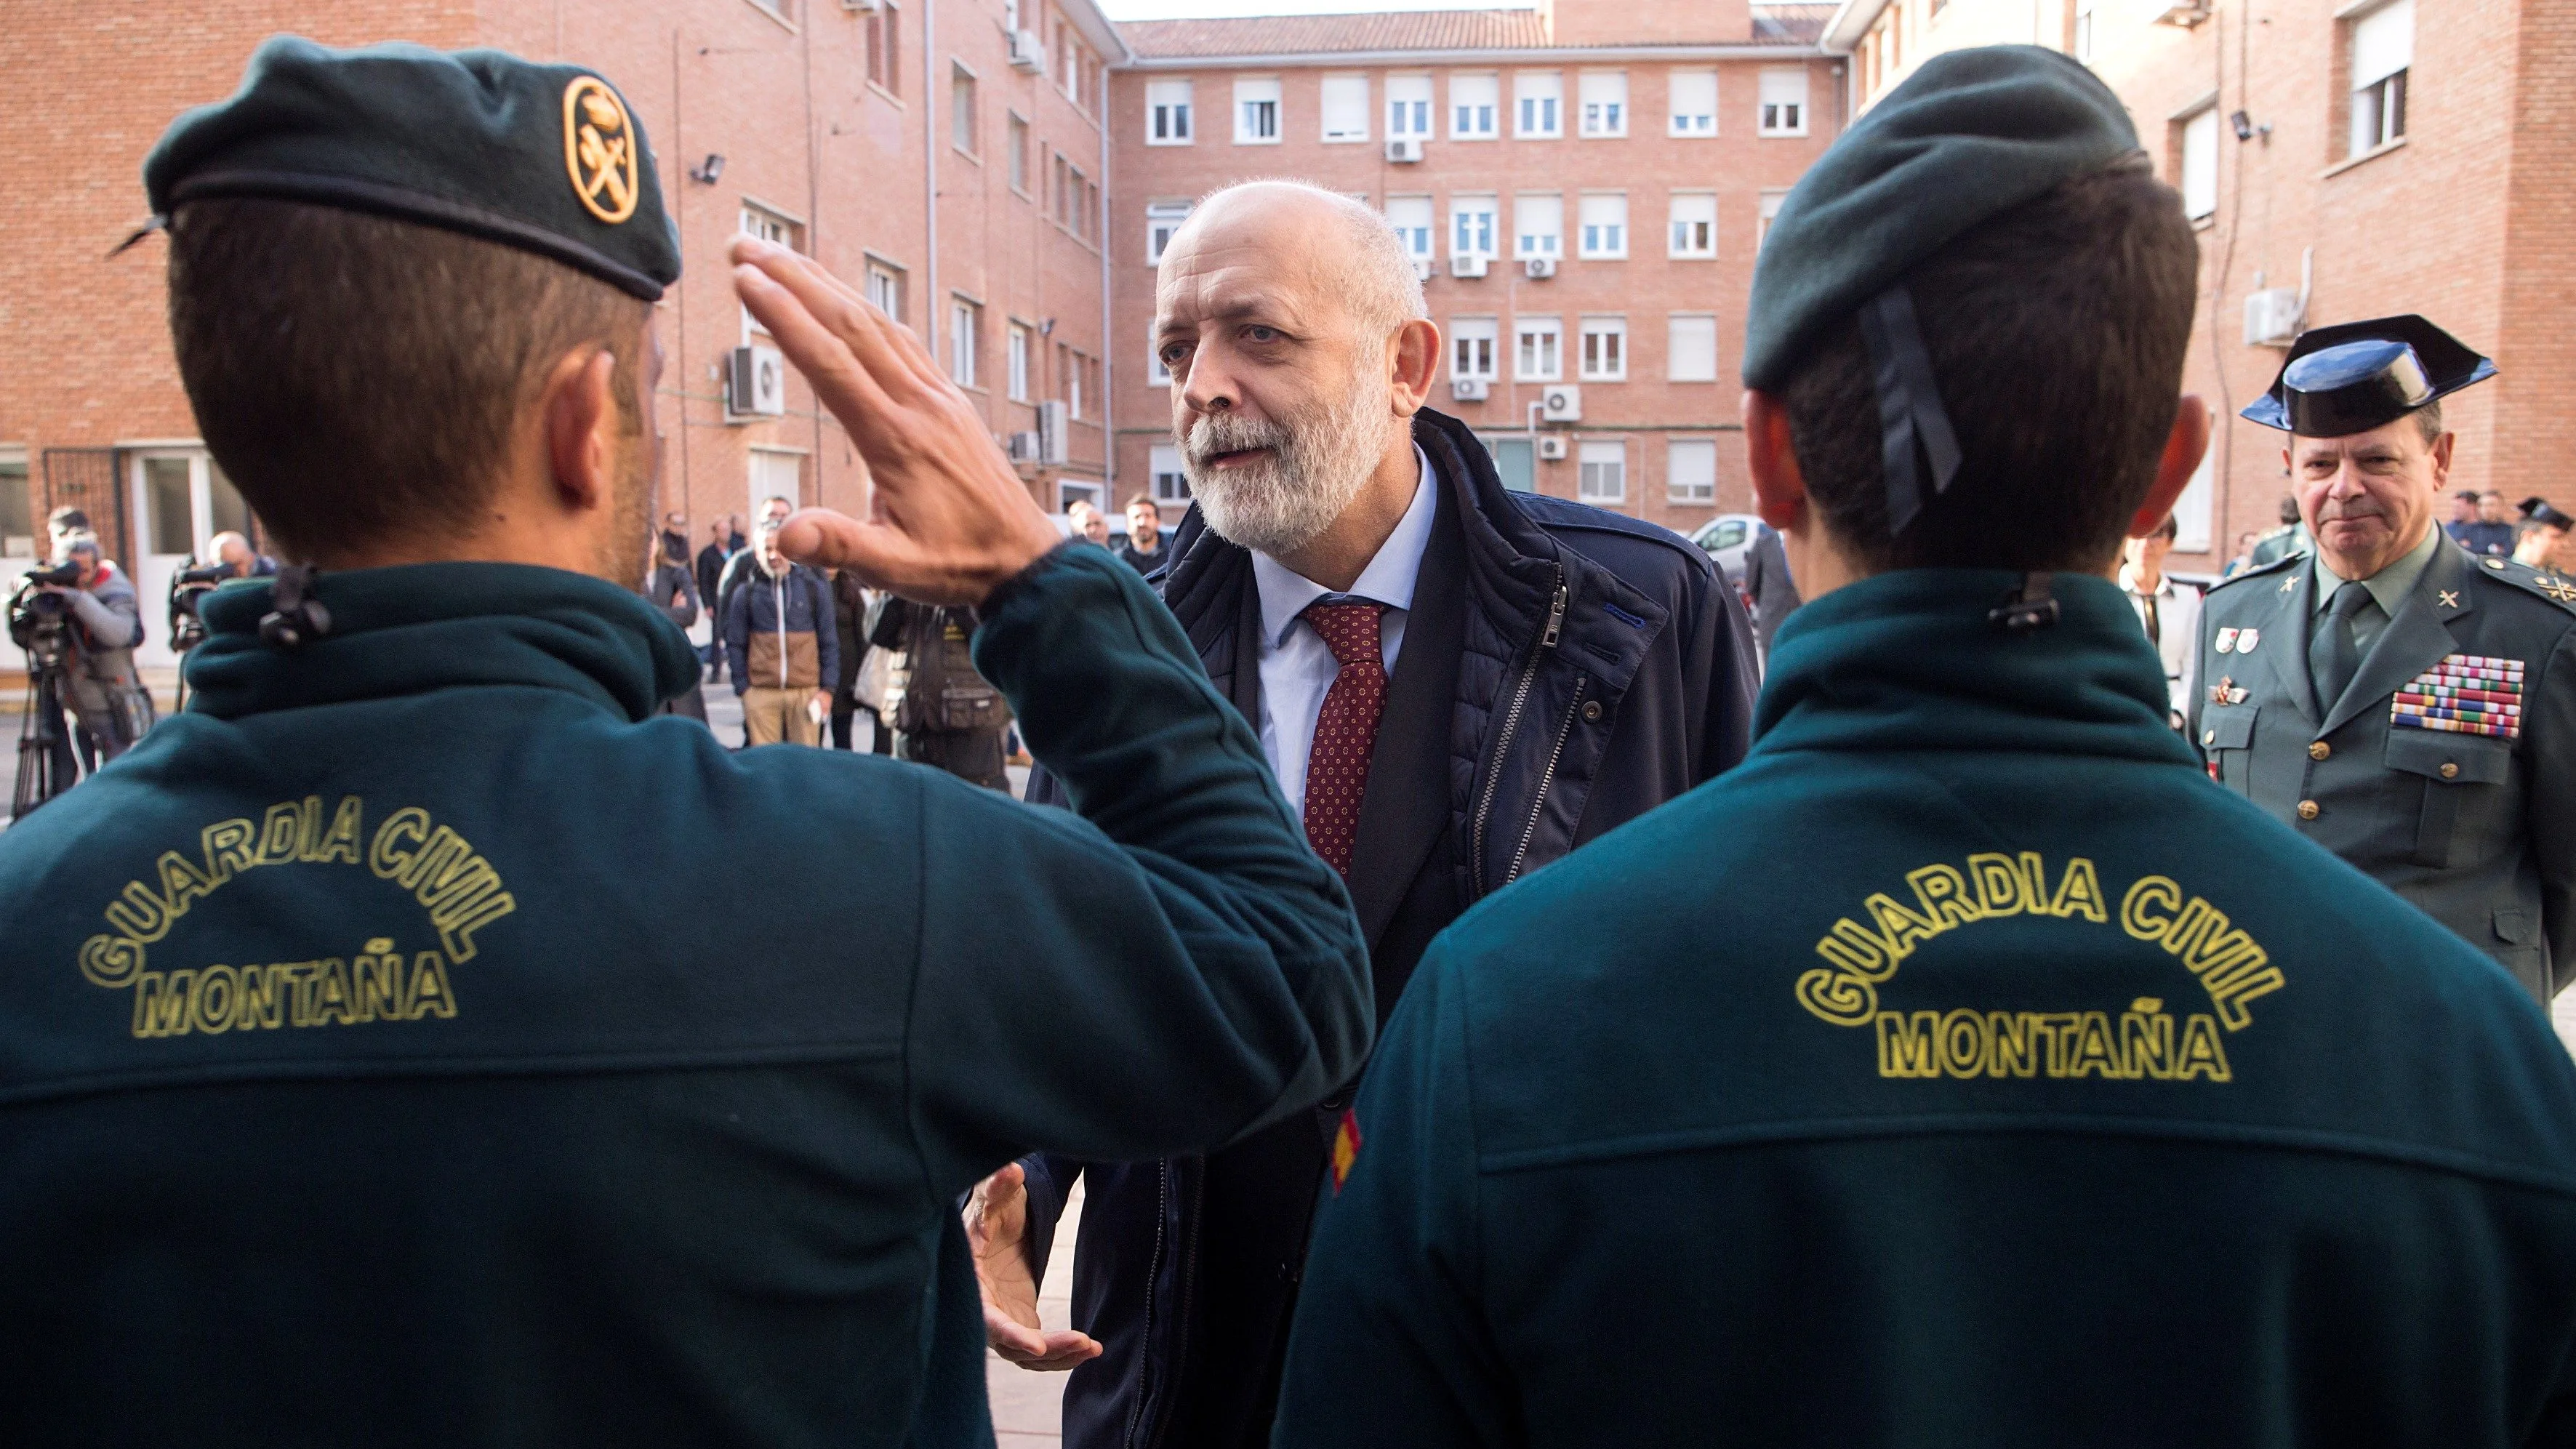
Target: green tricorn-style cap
(2355,376)
(1970,135)
(546,158)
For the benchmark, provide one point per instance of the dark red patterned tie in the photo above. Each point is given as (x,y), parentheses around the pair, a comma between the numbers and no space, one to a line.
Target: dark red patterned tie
(1346,732)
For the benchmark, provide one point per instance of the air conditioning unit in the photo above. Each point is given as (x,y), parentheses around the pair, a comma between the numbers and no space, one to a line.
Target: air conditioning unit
(1055,421)
(1466,266)
(860,7)
(2272,317)
(1467,389)
(1551,448)
(1404,150)
(1423,267)
(1540,268)
(1562,403)
(1025,52)
(1024,447)
(755,383)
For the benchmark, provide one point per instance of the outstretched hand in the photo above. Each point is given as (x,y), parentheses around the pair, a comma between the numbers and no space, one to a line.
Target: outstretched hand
(997,1226)
(949,521)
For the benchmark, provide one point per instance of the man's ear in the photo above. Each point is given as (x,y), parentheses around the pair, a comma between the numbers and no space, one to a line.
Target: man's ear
(1779,488)
(1416,361)
(579,409)
(2184,446)
(2442,460)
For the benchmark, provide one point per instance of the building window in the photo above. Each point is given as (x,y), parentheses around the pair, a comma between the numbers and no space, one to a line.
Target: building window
(1605,349)
(1538,226)
(1019,157)
(2383,50)
(1471,226)
(1538,97)
(1171,483)
(885,287)
(1411,218)
(1408,105)
(1767,214)
(1473,100)
(1156,374)
(2197,163)
(1162,218)
(1694,232)
(2084,31)
(1690,470)
(1784,101)
(1694,102)
(1690,350)
(885,48)
(965,322)
(1256,113)
(1018,361)
(1167,113)
(1536,344)
(1346,107)
(1605,472)
(1076,379)
(1513,462)
(769,226)
(1471,348)
(961,110)
(1605,102)
(1605,225)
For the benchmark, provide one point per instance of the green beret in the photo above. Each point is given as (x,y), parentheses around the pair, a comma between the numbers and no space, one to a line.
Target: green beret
(546,158)
(1971,134)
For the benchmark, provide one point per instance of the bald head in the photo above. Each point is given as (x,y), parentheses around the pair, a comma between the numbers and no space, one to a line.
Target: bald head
(1333,248)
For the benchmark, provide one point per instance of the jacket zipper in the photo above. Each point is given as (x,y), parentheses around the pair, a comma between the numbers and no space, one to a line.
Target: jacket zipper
(778,606)
(1512,721)
(1538,803)
(1153,1272)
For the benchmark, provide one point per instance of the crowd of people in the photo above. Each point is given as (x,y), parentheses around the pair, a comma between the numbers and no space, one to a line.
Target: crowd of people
(1484,996)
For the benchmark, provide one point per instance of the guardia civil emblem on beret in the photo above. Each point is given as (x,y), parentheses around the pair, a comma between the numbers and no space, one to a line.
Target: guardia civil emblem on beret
(600,153)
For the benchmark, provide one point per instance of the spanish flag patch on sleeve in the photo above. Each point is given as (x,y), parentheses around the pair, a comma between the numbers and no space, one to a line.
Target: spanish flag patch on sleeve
(1346,1147)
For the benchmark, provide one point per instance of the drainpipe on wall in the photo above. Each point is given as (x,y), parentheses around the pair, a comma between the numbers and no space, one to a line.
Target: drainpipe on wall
(930,328)
(1108,341)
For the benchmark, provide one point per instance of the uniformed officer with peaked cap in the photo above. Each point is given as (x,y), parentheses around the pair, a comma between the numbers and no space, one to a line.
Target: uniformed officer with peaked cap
(420,1041)
(1961,1068)
(2404,704)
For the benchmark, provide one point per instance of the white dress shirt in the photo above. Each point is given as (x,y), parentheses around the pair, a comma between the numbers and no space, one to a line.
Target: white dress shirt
(2177,611)
(1296,666)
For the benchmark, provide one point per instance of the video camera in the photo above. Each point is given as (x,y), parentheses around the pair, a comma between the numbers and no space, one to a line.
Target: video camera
(187,586)
(39,622)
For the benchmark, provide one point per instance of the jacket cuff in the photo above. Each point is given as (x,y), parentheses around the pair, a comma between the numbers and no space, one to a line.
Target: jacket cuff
(1001,596)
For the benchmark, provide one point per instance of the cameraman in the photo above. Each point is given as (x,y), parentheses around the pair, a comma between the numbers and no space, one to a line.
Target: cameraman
(239,559)
(107,696)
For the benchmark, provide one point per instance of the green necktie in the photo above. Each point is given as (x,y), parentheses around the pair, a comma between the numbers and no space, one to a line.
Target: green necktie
(2334,655)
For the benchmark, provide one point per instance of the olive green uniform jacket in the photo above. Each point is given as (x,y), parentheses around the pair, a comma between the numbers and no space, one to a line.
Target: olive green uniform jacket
(1961,1069)
(386,1058)
(2478,829)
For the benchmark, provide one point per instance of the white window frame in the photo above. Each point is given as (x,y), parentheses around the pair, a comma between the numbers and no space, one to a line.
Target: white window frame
(1538,105)
(1485,112)
(965,333)
(1674,488)
(1170,481)
(1766,212)
(2084,31)
(1776,113)
(1248,100)
(1696,325)
(1170,107)
(1156,374)
(1475,348)
(1343,80)
(1538,349)
(1592,455)
(884,285)
(1602,349)
(1162,219)
(1690,232)
(1526,209)
(1475,204)
(2380,55)
(966,99)
(1410,98)
(1016,361)
(1600,236)
(2196,163)
(1602,100)
(1418,225)
(1694,124)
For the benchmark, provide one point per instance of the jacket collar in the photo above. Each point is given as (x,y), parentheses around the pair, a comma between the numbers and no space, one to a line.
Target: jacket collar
(2418,635)
(421,627)
(1908,661)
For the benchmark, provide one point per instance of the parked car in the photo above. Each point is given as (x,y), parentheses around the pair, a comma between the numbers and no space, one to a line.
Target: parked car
(1727,538)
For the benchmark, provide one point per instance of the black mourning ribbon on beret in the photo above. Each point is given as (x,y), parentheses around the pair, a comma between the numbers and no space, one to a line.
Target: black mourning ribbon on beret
(1911,420)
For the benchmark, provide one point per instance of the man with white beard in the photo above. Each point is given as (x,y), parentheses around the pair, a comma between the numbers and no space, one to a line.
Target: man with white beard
(1455,685)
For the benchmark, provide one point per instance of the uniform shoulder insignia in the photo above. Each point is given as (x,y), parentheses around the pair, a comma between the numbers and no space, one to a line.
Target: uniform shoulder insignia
(2261,570)
(2551,584)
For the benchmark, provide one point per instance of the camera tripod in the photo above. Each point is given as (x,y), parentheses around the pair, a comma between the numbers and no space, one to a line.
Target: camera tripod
(46,764)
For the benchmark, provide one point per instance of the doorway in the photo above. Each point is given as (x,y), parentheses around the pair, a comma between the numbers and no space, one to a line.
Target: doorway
(180,501)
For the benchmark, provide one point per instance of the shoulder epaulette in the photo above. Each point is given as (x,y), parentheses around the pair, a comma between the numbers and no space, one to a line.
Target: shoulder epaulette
(2259,570)
(2550,584)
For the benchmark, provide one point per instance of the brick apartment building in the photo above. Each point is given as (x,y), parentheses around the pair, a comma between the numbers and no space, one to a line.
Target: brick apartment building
(926,147)
(1583,185)
(2342,161)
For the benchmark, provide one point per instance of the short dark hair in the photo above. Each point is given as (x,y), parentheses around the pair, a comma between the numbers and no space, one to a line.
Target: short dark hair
(2289,509)
(2465,495)
(2169,530)
(2057,332)
(359,378)
(67,519)
(1148,500)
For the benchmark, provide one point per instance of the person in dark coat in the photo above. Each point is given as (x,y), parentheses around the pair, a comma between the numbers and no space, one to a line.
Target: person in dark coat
(1962,1068)
(1456,684)
(1766,578)
(849,620)
(669,587)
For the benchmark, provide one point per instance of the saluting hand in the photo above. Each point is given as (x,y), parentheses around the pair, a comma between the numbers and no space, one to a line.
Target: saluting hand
(950,521)
(997,1226)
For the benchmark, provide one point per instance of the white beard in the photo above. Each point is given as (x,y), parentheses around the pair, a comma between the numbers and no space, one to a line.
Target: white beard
(1318,463)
